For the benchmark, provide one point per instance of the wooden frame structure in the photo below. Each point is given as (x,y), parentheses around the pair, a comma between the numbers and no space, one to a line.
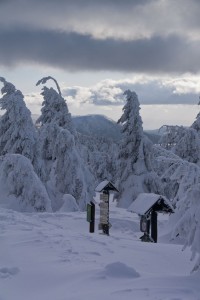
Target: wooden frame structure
(147,206)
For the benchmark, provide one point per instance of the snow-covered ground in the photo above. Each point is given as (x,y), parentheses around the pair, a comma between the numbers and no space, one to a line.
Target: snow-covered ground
(53,256)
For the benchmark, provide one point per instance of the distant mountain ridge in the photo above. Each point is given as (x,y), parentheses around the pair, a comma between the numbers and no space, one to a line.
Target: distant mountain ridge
(99,125)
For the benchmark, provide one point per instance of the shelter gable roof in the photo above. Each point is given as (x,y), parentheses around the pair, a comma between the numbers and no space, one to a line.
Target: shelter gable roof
(145,202)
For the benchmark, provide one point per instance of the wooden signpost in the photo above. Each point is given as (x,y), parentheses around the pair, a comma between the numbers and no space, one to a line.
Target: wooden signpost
(104,189)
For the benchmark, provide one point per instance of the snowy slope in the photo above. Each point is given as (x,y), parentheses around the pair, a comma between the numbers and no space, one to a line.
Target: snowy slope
(53,256)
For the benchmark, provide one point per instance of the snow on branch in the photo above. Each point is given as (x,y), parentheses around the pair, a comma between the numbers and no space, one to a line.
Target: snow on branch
(45,79)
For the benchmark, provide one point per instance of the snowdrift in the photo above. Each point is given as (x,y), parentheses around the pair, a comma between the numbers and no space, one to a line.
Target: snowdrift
(21,188)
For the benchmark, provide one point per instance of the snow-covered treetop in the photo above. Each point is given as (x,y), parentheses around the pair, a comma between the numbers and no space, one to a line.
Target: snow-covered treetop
(8,87)
(131,124)
(17,132)
(131,108)
(45,79)
(13,100)
(54,108)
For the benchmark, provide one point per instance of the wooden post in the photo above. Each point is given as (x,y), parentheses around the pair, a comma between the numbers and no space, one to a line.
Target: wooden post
(92,223)
(91,216)
(154,226)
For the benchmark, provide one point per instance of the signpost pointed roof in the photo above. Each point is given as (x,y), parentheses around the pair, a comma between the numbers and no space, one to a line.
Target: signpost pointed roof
(106,186)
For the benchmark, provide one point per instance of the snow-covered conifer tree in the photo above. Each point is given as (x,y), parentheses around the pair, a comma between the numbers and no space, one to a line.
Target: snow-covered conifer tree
(65,170)
(54,116)
(132,132)
(135,174)
(186,221)
(179,172)
(180,180)
(17,132)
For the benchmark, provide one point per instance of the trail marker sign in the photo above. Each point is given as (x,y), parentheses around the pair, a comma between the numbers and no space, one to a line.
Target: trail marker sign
(104,189)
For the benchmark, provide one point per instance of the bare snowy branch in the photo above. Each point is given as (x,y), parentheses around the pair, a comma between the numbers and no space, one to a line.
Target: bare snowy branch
(45,79)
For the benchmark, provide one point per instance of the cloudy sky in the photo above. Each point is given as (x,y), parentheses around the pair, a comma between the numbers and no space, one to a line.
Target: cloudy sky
(96,49)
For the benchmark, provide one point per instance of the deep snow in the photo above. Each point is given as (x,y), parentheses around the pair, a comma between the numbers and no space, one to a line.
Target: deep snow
(53,256)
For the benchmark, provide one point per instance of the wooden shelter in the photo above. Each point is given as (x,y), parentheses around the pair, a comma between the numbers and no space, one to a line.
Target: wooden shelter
(147,206)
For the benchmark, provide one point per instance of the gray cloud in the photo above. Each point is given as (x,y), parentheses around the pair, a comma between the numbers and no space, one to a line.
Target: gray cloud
(83,3)
(75,52)
(150,92)
(128,19)
(77,3)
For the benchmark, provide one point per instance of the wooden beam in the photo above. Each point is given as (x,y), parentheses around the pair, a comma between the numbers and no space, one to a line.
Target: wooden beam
(154,226)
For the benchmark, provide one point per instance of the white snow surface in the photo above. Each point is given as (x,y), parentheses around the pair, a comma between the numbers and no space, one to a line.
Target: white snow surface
(53,256)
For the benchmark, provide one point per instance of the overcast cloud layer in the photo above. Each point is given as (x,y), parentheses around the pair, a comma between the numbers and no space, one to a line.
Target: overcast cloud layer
(76,52)
(160,36)
(154,44)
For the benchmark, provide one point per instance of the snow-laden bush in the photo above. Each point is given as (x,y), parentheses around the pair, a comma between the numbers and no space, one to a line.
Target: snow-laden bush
(69,204)
(21,189)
